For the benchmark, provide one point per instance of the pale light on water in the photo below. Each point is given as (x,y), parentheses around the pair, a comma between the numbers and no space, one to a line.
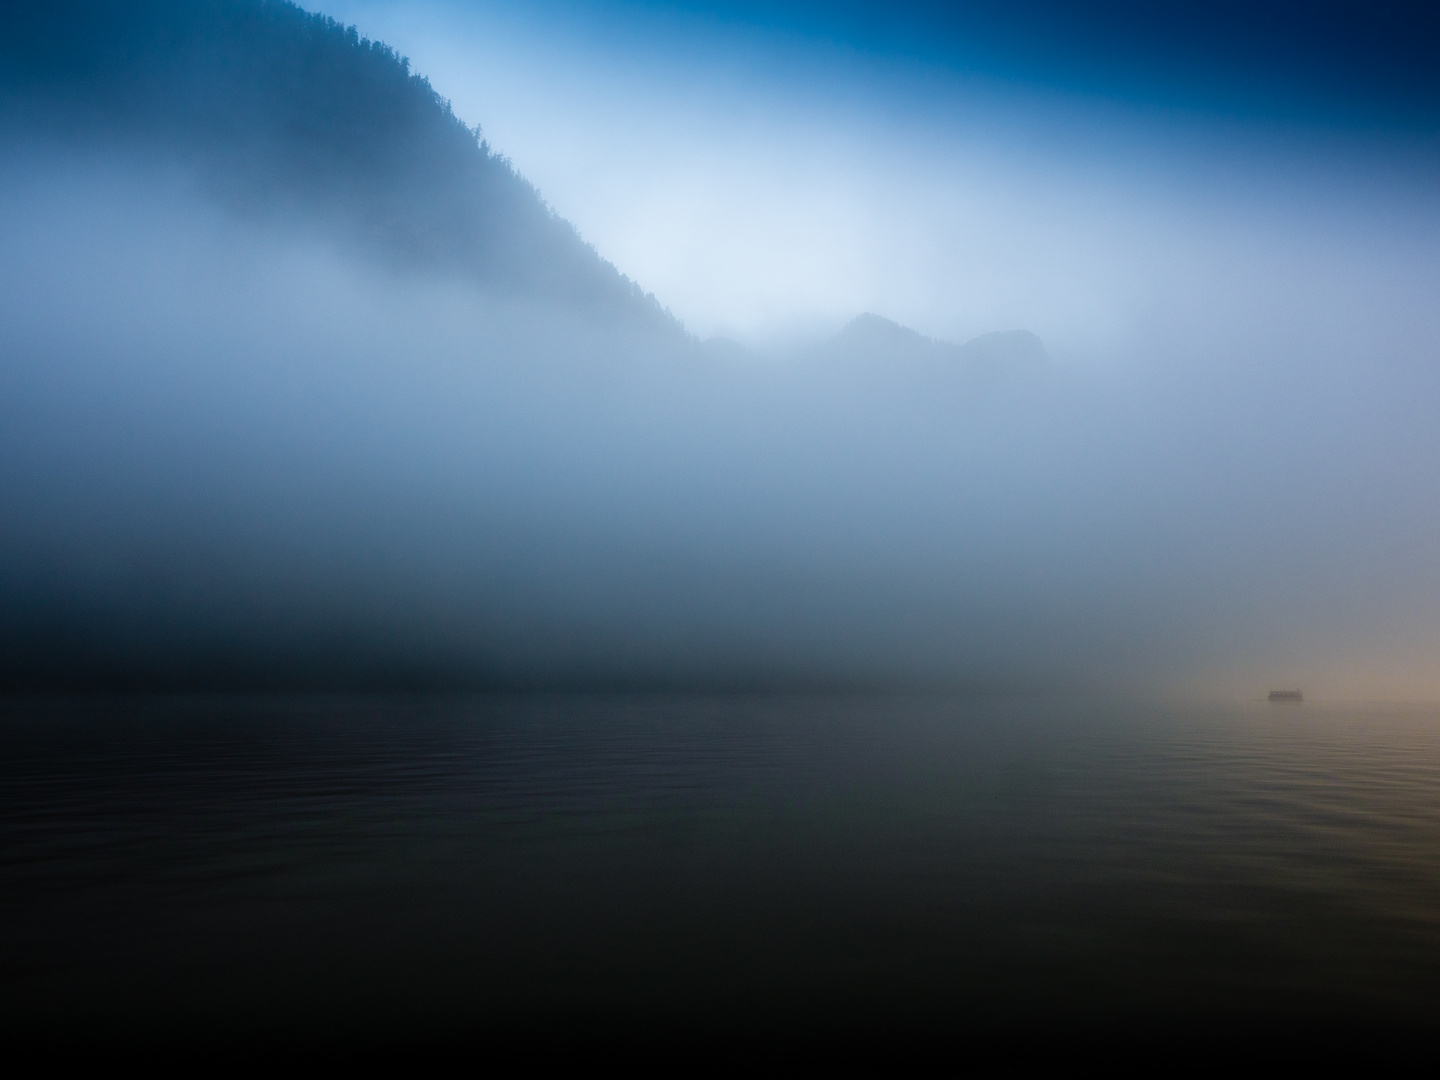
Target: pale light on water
(374,865)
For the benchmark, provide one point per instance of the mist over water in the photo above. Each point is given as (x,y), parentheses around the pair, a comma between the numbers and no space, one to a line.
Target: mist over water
(239,452)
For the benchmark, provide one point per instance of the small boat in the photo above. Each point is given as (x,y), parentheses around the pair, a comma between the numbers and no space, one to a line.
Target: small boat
(1286,695)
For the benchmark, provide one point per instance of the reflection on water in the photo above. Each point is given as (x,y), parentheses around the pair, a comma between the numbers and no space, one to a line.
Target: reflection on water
(376,864)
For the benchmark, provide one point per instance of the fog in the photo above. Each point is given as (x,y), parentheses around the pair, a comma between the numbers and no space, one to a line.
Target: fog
(238,451)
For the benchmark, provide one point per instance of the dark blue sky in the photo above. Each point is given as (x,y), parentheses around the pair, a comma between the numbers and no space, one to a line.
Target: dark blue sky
(1349,62)
(1378,56)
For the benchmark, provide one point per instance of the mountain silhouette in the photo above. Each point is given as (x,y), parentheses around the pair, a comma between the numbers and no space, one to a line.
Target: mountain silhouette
(291,116)
(877,344)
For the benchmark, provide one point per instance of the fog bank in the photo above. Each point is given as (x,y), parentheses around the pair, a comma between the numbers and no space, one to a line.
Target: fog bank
(240,456)
(304,386)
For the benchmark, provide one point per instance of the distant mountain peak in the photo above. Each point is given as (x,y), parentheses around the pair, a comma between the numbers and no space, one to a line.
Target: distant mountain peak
(873,338)
(872,329)
(1012,348)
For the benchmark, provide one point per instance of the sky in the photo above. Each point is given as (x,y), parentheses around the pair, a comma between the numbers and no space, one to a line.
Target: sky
(770,171)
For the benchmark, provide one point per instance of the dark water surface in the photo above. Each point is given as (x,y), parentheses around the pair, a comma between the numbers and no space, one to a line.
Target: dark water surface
(381,867)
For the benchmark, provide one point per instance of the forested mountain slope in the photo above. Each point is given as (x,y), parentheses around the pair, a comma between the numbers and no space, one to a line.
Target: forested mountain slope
(291,117)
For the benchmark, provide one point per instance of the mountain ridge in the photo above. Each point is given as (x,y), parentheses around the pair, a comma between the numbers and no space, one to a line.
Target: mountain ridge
(283,111)
(870,338)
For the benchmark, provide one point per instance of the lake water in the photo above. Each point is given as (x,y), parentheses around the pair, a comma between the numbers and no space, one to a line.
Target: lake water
(632,867)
